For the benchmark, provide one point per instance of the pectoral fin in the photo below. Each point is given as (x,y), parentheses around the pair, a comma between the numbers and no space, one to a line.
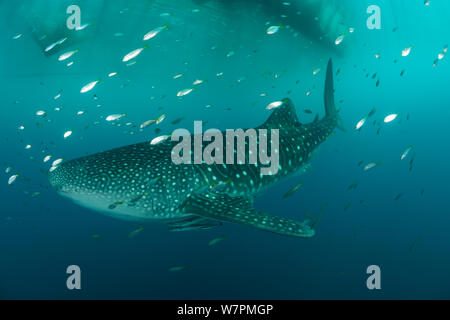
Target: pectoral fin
(240,210)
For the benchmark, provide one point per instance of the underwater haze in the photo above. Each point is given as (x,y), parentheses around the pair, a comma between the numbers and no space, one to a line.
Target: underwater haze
(375,194)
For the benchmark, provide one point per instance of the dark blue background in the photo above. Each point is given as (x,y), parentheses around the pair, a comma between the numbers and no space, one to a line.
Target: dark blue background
(40,236)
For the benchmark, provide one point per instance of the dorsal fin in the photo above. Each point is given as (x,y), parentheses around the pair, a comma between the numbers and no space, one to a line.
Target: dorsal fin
(283,116)
(316,118)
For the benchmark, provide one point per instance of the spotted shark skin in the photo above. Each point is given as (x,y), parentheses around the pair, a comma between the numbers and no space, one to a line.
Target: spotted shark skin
(141,182)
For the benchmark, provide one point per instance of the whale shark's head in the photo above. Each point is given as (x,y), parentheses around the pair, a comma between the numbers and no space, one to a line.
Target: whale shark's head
(70,177)
(88,182)
(104,182)
(121,181)
(82,181)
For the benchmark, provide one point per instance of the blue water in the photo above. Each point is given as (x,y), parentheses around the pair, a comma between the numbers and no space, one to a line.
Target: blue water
(408,238)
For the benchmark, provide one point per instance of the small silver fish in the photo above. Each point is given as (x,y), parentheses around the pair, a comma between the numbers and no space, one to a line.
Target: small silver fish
(406,152)
(135,233)
(216,240)
(177,268)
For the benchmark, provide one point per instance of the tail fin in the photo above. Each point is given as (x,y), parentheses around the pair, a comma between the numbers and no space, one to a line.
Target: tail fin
(330,107)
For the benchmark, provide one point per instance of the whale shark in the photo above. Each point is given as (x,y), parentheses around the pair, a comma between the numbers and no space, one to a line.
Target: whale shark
(141,181)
